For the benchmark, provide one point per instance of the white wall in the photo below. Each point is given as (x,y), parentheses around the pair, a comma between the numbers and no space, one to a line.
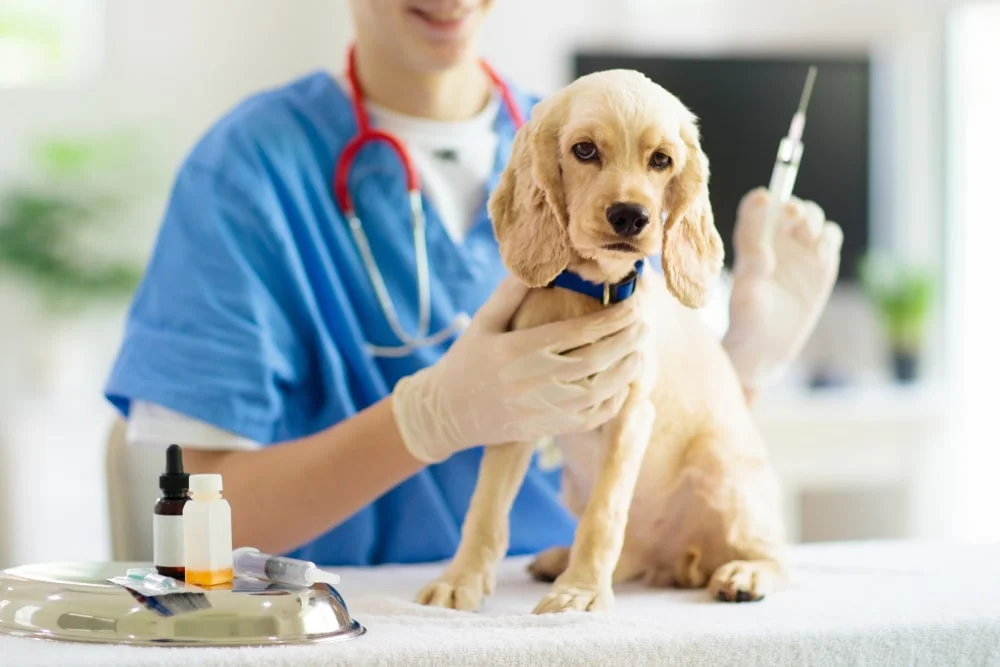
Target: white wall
(174,65)
(171,67)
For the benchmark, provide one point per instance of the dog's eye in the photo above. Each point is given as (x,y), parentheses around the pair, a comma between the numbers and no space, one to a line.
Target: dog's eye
(585,151)
(659,160)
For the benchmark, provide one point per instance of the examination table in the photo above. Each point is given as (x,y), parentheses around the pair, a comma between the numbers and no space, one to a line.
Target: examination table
(878,603)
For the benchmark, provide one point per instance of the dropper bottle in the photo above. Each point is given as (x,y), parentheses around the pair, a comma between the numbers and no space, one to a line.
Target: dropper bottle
(168,517)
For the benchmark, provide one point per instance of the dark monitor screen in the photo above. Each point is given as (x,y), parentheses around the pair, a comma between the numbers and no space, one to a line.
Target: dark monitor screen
(745,105)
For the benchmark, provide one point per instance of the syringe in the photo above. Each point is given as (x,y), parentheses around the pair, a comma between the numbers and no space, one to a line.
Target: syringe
(786,165)
(250,562)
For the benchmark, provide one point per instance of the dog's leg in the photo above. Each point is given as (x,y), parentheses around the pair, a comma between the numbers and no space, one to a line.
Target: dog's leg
(746,580)
(549,564)
(471,575)
(586,583)
(687,572)
(760,564)
(743,493)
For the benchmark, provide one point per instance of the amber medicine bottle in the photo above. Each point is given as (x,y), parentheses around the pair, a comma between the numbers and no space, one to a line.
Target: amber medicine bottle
(168,517)
(208,533)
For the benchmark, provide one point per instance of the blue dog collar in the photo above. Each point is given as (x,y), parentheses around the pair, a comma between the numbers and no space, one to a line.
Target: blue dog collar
(606,293)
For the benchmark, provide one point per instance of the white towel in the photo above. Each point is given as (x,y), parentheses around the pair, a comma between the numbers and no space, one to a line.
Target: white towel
(856,603)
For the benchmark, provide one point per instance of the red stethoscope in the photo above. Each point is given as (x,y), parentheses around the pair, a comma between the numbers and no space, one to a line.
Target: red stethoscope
(366,134)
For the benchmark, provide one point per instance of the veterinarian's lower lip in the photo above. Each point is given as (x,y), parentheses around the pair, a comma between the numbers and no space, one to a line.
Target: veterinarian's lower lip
(442,24)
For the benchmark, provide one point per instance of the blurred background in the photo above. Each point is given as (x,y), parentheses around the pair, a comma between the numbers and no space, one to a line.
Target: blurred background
(884,428)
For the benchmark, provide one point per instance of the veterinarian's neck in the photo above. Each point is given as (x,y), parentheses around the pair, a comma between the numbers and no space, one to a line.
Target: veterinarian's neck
(455,94)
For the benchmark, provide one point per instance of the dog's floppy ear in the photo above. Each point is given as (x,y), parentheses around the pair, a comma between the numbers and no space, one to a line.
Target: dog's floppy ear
(528,206)
(692,248)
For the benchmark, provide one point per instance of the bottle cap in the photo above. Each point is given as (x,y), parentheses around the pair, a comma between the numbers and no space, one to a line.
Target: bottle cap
(207,483)
(174,482)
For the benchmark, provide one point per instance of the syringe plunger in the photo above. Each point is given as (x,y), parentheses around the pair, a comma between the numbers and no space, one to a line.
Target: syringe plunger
(248,561)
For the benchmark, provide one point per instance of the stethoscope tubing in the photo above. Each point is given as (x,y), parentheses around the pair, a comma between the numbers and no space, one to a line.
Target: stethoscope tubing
(342,196)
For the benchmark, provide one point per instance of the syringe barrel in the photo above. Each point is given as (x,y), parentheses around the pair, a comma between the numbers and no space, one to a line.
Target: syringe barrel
(790,151)
(274,568)
(786,169)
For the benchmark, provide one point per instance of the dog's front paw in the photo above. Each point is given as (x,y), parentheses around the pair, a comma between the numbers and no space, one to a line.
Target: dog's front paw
(743,581)
(459,589)
(576,598)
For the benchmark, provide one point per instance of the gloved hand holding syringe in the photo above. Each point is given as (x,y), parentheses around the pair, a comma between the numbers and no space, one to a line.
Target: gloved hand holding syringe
(786,262)
(786,169)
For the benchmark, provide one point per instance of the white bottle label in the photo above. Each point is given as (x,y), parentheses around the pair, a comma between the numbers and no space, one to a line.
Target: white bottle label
(168,540)
(208,537)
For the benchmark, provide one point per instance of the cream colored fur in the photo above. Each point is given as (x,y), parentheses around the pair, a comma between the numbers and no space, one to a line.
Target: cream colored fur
(677,488)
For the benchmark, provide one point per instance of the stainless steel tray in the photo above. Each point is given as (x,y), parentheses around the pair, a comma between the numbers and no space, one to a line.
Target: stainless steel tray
(75,602)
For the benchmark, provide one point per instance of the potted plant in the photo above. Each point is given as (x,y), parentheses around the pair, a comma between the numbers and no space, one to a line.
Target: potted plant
(55,224)
(902,295)
(68,261)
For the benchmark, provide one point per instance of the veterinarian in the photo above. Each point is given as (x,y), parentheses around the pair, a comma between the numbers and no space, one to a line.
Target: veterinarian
(259,339)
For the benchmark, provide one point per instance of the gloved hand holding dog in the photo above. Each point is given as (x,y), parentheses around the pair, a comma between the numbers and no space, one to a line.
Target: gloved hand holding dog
(495,386)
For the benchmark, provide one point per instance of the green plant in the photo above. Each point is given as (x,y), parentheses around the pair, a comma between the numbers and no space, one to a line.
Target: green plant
(902,294)
(32,29)
(55,230)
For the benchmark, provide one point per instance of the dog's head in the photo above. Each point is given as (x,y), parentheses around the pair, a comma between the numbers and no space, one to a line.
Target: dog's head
(608,170)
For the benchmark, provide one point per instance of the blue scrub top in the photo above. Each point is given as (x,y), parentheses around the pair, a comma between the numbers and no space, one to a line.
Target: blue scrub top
(255,308)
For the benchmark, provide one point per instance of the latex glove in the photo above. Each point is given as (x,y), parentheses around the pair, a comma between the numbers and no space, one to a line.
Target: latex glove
(495,386)
(777,298)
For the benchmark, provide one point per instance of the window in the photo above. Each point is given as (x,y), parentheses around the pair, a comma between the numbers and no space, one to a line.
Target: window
(47,42)
(974,238)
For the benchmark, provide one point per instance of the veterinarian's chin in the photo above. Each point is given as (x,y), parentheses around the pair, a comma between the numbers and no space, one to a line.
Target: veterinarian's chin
(426,36)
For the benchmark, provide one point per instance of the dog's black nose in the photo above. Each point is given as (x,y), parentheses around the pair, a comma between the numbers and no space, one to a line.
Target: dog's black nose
(628,219)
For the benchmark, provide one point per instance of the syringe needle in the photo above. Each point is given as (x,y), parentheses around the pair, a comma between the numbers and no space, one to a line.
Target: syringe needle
(808,89)
(786,168)
(798,124)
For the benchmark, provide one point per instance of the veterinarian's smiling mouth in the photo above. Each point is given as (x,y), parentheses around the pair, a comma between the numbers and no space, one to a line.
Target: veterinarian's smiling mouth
(442,20)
